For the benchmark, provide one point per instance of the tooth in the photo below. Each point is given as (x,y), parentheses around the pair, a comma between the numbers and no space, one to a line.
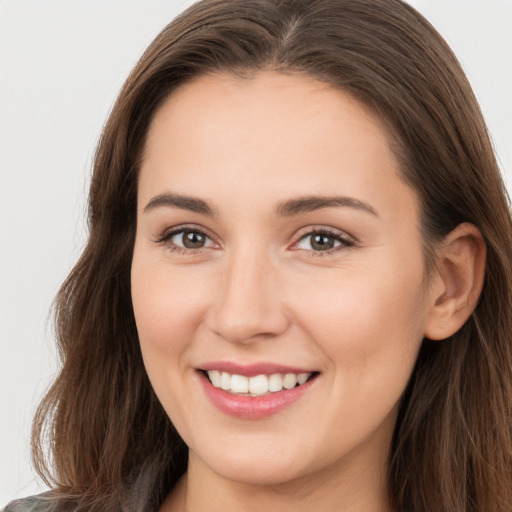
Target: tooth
(225,381)
(215,377)
(289,381)
(239,384)
(275,382)
(258,385)
(303,377)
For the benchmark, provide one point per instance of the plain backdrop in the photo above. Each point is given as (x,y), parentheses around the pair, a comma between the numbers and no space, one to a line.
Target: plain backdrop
(62,64)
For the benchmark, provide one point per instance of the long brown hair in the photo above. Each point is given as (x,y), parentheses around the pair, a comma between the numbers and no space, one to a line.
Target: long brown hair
(112,445)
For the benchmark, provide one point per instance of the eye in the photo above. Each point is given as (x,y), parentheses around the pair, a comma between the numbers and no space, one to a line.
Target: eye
(323,241)
(186,239)
(189,239)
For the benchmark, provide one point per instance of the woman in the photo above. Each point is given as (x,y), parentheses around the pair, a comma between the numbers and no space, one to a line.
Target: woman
(295,291)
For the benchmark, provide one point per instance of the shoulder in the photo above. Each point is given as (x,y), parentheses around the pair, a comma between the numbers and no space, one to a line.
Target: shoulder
(39,503)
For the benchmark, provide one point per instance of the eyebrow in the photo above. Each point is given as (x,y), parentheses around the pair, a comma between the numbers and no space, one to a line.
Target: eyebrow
(192,204)
(285,209)
(312,203)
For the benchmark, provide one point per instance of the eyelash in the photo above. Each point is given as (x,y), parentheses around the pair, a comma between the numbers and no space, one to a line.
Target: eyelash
(166,236)
(344,241)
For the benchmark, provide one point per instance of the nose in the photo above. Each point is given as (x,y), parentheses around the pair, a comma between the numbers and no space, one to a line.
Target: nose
(250,304)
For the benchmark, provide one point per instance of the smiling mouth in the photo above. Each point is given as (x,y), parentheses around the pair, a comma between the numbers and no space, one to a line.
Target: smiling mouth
(258,385)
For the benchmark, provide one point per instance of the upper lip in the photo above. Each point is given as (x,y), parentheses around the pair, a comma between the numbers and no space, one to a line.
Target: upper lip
(252,369)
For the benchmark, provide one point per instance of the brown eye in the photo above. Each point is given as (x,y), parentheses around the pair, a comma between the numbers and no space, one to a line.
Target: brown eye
(189,239)
(322,242)
(193,239)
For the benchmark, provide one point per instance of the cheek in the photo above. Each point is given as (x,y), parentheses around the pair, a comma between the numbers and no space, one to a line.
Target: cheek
(368,321)
(168,310)
(168,305)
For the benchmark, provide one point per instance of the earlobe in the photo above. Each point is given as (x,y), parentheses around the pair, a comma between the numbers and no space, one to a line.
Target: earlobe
(458,283)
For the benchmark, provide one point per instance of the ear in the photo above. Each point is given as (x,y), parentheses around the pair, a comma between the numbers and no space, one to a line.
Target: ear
(457,286)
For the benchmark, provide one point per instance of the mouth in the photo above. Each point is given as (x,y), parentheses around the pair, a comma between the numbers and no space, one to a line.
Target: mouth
(257,385)
(254,392)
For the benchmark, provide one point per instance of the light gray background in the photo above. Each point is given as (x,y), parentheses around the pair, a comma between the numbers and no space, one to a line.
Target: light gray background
(61,66)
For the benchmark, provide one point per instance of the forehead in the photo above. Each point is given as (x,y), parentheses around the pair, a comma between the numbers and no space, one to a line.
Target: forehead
(272,133)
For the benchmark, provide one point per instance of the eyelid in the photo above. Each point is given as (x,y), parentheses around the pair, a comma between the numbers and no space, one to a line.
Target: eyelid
(346,241)
(166,235)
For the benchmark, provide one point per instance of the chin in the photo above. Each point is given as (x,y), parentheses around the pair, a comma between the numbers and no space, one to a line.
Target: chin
(267,475)
(265,469)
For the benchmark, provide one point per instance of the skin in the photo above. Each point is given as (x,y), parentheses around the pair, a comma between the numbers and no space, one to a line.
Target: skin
(258,290)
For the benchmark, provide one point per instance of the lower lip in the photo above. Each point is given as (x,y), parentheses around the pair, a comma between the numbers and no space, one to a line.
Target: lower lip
(253,407)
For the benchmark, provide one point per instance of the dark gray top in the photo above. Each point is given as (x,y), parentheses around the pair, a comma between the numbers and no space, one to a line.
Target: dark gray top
(38,503)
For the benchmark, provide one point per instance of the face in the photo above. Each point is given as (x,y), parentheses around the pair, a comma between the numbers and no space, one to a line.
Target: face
(278,255)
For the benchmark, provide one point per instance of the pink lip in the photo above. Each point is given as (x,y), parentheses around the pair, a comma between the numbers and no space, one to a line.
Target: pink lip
(253,407)
(253,369)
